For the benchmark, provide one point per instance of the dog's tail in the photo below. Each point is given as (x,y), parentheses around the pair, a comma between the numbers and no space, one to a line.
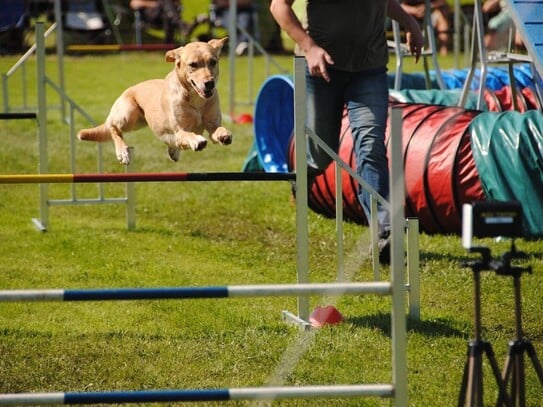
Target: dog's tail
(98,133)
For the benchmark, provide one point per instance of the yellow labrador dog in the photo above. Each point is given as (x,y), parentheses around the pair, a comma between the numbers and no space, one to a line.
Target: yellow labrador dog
(177,109)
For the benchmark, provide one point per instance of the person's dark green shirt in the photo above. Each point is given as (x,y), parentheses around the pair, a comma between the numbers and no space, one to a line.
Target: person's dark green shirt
(351,31)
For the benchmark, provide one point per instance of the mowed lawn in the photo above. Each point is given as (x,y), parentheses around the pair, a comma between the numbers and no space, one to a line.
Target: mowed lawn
(216,233)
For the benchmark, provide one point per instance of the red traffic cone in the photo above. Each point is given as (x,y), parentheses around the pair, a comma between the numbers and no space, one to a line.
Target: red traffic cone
(328,315)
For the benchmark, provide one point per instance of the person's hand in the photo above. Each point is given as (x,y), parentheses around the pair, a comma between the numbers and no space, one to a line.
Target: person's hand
(317,62)
(415,41)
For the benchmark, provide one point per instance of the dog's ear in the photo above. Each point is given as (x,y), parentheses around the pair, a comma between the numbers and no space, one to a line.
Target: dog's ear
(217,44)
(173,54)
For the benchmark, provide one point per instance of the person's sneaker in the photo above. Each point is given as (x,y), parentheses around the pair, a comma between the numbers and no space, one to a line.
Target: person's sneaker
(242,47)
(384,249)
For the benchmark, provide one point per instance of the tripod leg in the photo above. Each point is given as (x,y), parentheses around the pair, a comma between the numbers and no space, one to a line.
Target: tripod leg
(464,385)
(508,368)
(503,396)
(518,390)
(471,389)
(533,357)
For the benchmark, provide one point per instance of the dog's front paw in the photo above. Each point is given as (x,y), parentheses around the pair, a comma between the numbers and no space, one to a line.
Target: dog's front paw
(123,155)
(222,136)
(197,143)
(193,142)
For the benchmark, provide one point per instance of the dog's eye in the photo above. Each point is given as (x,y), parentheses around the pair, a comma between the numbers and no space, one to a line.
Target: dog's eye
(213,63)
(193,65)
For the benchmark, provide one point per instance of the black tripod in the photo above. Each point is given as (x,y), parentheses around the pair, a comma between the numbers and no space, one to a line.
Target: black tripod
(471,390)
(514,363)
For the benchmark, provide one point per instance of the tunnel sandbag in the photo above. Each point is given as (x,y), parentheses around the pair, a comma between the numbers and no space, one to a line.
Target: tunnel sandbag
(440,173)
(274,122)
(507,148)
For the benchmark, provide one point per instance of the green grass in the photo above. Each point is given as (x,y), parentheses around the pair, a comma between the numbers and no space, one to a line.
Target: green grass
(213,234)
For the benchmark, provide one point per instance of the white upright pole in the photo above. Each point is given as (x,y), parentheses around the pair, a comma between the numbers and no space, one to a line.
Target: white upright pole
(232,43)
(60,57)
(43,166)
(397,198)
(302,232)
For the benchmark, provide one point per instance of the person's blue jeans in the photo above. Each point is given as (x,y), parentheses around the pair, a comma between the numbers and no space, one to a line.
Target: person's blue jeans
(365,95)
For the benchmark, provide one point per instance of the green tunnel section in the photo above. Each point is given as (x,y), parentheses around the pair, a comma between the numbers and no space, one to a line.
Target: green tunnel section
(507,148)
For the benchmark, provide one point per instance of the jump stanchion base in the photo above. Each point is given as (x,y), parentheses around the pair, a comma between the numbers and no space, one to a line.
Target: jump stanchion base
(291,318)
(39,225)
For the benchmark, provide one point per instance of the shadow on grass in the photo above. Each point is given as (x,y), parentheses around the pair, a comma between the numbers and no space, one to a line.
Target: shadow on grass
(432,328)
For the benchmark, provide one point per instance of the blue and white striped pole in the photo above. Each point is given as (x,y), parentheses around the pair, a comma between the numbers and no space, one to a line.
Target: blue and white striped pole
(119,294)
(163,396)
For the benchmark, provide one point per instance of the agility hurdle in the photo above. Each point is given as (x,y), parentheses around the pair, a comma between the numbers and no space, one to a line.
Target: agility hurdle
(119,47)
(66,105)
(233,291)
(18,116)
(144,177)
(398,224)
(164,396)
(169,293)
(395,288)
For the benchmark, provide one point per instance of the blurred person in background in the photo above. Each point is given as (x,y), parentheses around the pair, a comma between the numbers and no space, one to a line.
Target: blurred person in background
(245,20)
(440,15)
(164,14)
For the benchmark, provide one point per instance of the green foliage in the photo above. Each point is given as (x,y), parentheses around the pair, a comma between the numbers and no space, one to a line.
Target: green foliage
(200,234)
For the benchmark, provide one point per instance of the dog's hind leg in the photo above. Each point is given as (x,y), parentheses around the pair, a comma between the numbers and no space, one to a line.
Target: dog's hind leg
(99,133)
(174,153)
(121,148)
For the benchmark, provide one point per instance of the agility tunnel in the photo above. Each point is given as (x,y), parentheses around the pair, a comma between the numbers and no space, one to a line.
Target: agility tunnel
(442,171)
(273,126)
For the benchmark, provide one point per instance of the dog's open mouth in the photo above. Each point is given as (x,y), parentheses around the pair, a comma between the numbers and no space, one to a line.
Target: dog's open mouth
(205,92)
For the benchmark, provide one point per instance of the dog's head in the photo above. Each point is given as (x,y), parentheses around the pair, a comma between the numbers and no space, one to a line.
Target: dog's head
(197,65)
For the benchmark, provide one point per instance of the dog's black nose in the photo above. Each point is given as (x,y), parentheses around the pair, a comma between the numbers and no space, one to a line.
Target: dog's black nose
(209,85)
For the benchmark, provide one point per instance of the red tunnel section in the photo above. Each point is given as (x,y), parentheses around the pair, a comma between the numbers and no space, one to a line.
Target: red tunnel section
(440,172)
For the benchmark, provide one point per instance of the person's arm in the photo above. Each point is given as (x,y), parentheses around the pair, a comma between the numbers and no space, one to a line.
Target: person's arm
(139,4)
(317,58)
(491,6)
(415,41)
